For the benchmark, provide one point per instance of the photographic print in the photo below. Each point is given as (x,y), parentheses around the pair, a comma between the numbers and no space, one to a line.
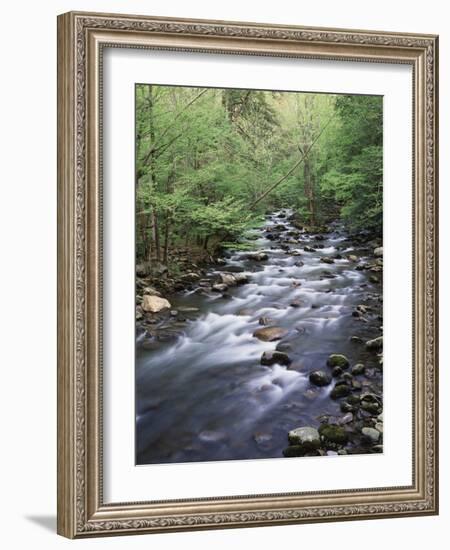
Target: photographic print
(259,264)
(236,256)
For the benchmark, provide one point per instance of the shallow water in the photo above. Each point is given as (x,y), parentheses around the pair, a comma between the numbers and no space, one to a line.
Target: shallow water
(207,397)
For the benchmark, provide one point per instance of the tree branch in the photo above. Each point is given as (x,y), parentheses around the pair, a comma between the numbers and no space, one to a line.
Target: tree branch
(291,170)
(152,148)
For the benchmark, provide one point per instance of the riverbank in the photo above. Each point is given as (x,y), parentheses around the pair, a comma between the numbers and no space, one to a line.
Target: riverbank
(268,352)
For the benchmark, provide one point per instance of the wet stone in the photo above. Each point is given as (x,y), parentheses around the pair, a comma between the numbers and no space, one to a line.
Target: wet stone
(275,357)
(338,360)
(358,369)
(320,378)
(342,390)
(333,433)
(306,436)
(371,434)
(269,334)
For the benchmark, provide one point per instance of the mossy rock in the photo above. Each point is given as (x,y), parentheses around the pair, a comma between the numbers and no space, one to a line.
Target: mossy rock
(338,360)
(306,437)
(320,378)
(334,434)
(339,391)
(294,450)
(358,369)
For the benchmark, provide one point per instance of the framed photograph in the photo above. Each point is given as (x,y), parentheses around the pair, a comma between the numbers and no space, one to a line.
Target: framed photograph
(247,288)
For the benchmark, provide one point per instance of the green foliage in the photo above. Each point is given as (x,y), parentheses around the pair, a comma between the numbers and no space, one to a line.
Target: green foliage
(356,178)
(204,156)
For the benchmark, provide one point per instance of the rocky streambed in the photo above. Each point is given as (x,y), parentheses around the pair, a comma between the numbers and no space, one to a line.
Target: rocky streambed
(272,351)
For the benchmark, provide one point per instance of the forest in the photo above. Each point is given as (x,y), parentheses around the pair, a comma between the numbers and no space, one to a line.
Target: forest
(210,161)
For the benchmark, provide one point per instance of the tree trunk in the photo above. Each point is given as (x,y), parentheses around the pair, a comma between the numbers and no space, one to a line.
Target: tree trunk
(166,241)
(155,232)
(309,191)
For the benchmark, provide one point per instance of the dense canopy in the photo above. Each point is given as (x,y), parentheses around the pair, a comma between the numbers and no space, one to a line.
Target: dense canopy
(210,161)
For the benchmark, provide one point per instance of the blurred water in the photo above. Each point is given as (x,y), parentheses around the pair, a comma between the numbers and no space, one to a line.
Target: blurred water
(207,397)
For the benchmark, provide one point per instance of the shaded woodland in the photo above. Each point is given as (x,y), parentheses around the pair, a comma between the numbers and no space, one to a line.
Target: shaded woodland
(210,162)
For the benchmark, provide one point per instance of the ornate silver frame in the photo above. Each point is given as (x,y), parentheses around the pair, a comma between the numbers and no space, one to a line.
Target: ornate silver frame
(81,38)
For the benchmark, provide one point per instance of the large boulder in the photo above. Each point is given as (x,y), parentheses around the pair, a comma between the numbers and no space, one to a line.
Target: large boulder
(378,251)
(306,436)
(269,334)
(154,304)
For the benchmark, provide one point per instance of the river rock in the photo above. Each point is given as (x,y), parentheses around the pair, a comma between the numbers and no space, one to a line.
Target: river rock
(241,278)
(272,357)
(296,303)
(375,345)
(371,434)
(378,251)
(320,378)
(269,334)
(283,346)
(153,304)
(352,258)
(327,260)
(293,451)
(264,320)
(257,256)
(346,419)
(151,291)
(374,279)
(228,279)
(191,276)
(338,360)
(219,287)
(336,372)
(339,391)
(358,369)
(309,249)
(379,426)
(306,437)
(333,433)
(346,407)
(142,269)
(371,403)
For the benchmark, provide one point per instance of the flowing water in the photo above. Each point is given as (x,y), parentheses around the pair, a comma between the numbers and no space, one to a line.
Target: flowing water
(206,396)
